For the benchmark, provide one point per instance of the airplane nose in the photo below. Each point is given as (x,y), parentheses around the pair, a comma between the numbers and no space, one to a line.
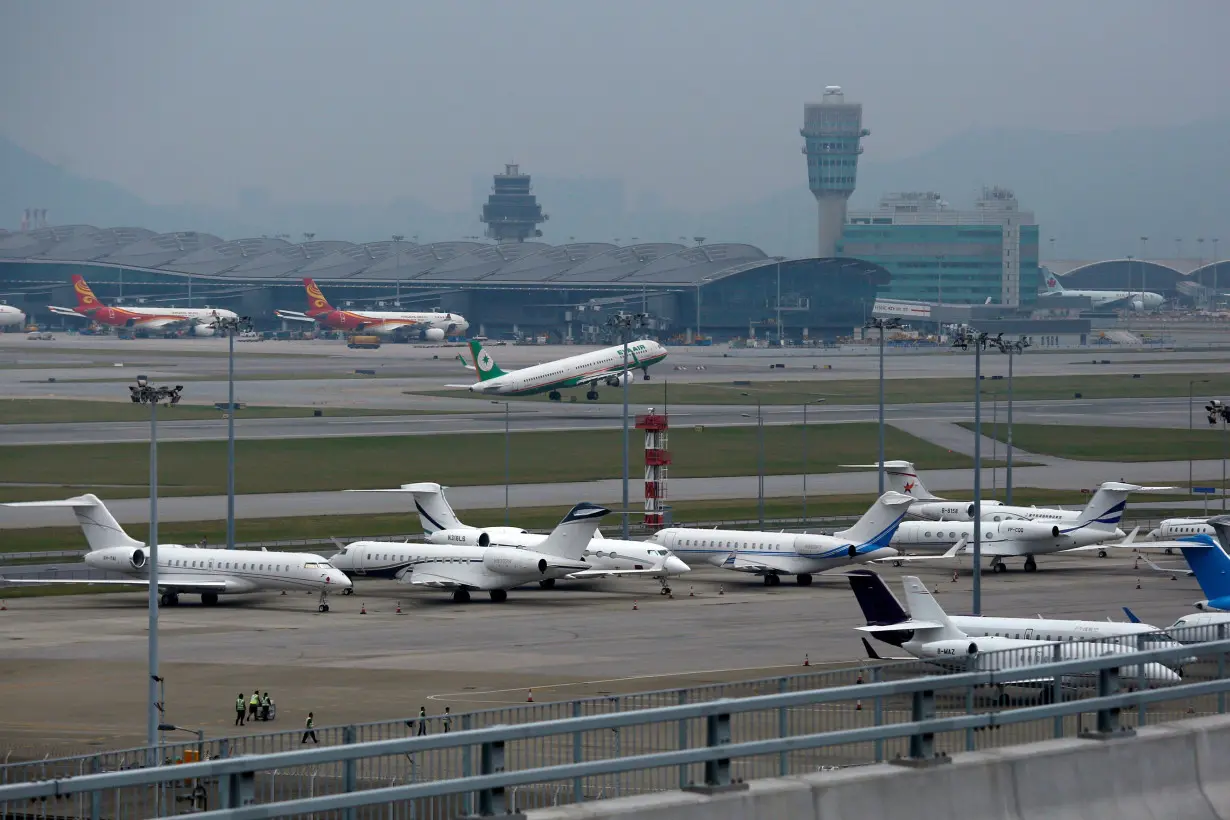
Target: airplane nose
(676,566)
(340,580)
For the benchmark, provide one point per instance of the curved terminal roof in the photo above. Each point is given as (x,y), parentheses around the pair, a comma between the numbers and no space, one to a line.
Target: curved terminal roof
(583,264)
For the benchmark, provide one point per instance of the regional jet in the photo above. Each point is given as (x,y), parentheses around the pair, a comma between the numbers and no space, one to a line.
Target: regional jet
(188,570)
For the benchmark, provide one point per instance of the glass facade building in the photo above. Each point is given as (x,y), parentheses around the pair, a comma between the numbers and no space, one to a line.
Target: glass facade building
(937,254)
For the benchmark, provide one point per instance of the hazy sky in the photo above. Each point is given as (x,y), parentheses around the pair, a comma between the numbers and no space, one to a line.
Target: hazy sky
(697,102)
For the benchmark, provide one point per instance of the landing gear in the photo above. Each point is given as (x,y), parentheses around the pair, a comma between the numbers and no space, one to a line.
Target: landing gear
(1101,553)
(592,395)
(554,395)
(547,583)
(169,599)
(666,590)
(1030,564)
(997,566)
(461,596)
(499,596)
(348,591)
(646,372)
(323,606)
(803,579)
(209,598)
(772,580)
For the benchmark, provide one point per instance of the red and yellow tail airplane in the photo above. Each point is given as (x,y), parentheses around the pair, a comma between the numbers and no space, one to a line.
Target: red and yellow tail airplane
(198,320)
(432,327)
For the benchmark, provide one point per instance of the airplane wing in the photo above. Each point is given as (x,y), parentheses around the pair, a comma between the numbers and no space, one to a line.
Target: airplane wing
(1158,568)
(740,563)
(293,315)
(183,585)
(654,572)
(439,575)
(457,386)
(63,311)
(897,560)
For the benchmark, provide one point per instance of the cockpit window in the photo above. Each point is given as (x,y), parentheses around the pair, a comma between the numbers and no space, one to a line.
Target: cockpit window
(310,565)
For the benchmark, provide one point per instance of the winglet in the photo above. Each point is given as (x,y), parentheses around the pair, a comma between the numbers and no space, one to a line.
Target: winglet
(1131,537)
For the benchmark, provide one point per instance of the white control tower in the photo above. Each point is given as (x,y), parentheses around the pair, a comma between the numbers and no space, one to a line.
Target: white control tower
(832,131)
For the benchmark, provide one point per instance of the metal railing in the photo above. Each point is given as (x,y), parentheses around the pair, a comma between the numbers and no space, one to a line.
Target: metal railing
(984,700)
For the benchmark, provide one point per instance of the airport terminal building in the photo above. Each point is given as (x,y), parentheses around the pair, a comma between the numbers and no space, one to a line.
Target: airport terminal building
(724,290)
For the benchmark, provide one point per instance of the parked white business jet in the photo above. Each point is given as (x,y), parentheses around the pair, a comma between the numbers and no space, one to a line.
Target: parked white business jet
(903,478)
(773,554)
(881,608)
(1135,300)
(607,557)
(586,370)
(930,634)
(1096,524)
(191,570)
(1172,528)
(495,563)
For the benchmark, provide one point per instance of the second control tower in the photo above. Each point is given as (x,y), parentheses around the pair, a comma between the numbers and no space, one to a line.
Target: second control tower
(832,129)
(512,212)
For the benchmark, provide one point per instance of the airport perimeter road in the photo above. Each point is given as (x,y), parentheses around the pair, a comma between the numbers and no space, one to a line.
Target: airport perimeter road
(72,676)
(1058,474)
(1157,412)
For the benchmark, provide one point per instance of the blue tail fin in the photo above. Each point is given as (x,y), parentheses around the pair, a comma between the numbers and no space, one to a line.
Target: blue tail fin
(1211,566)
(1131,615)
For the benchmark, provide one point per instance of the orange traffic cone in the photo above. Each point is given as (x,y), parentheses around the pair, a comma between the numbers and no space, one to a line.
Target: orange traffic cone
(530,698)
(721,589)
(3,606)
(691,594)
(363,609)
(1138,583)
(399,607)
(860,678)
(858,706)
(806,660)
(634,606)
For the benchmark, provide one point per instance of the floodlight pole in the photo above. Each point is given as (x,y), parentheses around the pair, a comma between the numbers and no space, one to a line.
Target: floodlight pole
(230,439)
(1190,398)
(1008,470)
(882,325)
(151,734)
(977,602)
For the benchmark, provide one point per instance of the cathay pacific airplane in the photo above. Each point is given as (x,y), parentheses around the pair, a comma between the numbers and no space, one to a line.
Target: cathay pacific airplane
(586,370)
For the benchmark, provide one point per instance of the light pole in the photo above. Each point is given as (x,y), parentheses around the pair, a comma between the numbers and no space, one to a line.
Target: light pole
(1215,299)
(759,458)
(1011,349)
(939,278)
(965,337)
(882,324)
(816,401)
(1219,411)
(1189,430)
(145,393)
(625,322)
(230,327)
(397,238)
(699,284)
(1144,255)
(507,460)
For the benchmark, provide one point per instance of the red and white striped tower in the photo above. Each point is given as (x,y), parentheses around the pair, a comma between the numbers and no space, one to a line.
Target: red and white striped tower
(657,458)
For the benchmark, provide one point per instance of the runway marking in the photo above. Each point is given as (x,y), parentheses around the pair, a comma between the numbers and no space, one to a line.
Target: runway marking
(546,687)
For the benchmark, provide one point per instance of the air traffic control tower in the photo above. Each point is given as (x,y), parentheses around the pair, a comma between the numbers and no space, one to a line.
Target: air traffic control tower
(512,212)
(832,129)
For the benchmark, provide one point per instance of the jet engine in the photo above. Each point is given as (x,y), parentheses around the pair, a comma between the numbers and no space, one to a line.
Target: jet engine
(1137,305)
(203,330)
(1028,530)
(512,561)
(117,559)
(465,538)
(954,648)
(433,334)
(620,380)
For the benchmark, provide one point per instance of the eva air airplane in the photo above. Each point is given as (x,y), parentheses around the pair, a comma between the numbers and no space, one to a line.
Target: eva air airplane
(587,370)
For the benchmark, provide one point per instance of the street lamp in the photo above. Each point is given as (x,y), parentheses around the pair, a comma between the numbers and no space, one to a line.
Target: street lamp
(507,459)
(231,327)
(759,458)
(1190,428)
(1219,411)
(625,322)
(882,324)
(965,337)
(145,393)
(812,401)
(397,238)
(1010,349)
(699,283)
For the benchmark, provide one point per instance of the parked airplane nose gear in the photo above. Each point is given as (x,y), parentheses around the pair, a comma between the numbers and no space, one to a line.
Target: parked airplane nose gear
(323,606)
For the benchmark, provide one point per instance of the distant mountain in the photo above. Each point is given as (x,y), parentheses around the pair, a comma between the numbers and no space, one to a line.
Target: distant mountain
(1097,193)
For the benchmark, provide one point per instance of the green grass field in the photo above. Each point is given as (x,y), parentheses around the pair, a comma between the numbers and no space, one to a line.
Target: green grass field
(537,518)
(896,391)
(303,465)
(1114,443)
(55,411)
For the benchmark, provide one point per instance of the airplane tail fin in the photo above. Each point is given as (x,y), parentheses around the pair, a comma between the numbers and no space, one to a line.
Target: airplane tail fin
(880,522)
(880,607)
(1052,283)
(923,607)
(903,478)
(1208,560)
(317,303)
(435,513)
(484,366)
(1105,510)
(86,300)
(99,526)
(573,534)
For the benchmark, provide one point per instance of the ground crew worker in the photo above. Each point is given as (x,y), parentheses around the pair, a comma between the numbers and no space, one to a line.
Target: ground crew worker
(447,720)
(309,730)
(239,709)
(254,703)
(266,705)
(422,730)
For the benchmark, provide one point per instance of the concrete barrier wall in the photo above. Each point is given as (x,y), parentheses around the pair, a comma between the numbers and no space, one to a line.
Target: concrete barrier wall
(1178,771)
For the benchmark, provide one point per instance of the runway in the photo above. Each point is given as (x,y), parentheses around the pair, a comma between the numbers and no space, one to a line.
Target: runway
(73,673)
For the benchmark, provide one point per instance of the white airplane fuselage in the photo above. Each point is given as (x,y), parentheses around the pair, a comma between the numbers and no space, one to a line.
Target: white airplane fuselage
(498,565)
(11,316)
(602,553)
(758,552)
(594,368)
(237,571)
(1001,538)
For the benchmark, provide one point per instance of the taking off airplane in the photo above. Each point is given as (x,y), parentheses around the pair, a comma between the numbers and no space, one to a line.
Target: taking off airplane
(429,326)
(198,320)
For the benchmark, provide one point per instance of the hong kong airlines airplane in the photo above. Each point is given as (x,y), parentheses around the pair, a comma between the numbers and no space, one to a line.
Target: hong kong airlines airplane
(431,327)
(198,320)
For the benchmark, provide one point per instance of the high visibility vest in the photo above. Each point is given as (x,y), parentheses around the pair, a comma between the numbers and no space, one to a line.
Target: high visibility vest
(255,700)
(238,704)
(266,701)
(309,723)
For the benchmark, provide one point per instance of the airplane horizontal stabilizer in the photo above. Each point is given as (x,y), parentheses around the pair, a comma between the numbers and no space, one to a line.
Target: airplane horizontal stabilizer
(897,627)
